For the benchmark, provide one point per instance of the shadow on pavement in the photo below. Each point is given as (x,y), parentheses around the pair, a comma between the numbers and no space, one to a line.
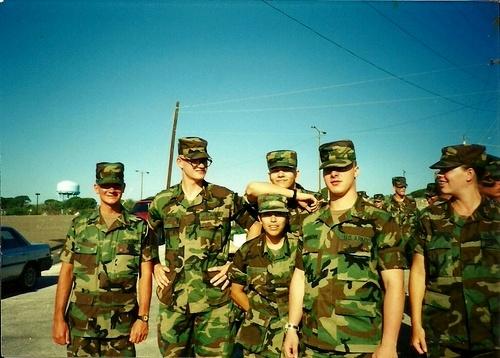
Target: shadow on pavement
(13,288)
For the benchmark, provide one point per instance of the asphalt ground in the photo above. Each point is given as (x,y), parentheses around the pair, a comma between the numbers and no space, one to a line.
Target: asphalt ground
(26,322)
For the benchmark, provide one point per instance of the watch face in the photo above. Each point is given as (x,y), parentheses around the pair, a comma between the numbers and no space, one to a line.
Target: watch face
(144,318)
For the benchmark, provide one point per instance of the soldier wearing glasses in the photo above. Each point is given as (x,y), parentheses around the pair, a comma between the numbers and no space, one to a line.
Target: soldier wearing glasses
(195,308)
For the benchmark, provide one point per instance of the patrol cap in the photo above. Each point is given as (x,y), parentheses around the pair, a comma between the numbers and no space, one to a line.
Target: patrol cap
(337,154)
(463,154)
(378,197)
(399,182)
(272,203)
(282,158)
(193,148)
(431,190)
(109,173)
(363,194)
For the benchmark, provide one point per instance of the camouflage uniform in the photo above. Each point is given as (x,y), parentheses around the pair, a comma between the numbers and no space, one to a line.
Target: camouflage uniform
(342,260)
(106,265)
(266,276)
(288,159)
(405,213)
(379,198)
(462,264)
(194,313)
(342,263)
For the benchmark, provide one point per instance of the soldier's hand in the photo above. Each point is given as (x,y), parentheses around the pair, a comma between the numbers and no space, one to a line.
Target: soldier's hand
(291,344)
(60,332)
(139,332)
(307,201)
(221,277)
(418,339)
(385,351)
(160,274)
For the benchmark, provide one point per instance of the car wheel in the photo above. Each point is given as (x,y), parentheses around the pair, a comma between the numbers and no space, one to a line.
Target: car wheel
(29,277)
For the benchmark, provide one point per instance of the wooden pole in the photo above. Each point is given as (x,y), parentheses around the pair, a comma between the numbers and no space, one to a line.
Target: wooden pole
(172,144)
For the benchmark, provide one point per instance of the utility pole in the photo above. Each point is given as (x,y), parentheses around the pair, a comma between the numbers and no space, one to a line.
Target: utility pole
(142,172)
(172,144)
(37,195)
(320,133)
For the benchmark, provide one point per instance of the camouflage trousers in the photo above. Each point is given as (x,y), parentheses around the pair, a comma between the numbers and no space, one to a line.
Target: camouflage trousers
(309,352)
(100,347)
(205,334)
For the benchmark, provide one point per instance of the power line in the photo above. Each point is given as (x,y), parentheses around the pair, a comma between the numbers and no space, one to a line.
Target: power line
(337,105)
(408,33)
(320,88)
(369,62)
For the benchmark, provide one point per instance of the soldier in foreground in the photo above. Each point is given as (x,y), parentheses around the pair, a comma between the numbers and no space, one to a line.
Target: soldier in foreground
(104,254)
(455,274)
(260,276)
(349,248)
(196,315)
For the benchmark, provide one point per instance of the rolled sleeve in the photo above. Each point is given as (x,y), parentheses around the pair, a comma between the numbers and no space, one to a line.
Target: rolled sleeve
(237,271)
(391,254)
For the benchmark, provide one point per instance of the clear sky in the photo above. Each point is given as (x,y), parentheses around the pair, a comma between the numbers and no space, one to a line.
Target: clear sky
(89,81)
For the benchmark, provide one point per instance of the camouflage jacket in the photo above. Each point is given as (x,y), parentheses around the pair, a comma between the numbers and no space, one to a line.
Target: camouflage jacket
(266,278)
(342,262)
(404,212)
(462,266)
(106,265)
(196,238)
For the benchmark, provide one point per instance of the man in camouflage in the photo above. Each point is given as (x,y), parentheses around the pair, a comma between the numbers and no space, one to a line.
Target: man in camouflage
(454,281)
(489,184)
(404,209)
(283,173)
(105,252)
(431,193)
(196,316)
(260,276)
(349,248)
(378,201)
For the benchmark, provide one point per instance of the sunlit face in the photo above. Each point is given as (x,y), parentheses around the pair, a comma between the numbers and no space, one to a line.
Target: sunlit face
(378,203)
(451,181)
(400,190)
(273,223)
(284,177)
(195,169)
(339,180)
(109,194)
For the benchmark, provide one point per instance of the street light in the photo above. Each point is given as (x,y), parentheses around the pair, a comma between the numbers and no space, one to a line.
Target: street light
(142,172)
(37,195)
(320,133)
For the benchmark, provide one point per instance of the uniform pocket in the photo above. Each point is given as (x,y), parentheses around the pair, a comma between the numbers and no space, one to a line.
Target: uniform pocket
(440,262)
(354,260)
(171,227)
(254,334)
(211,230)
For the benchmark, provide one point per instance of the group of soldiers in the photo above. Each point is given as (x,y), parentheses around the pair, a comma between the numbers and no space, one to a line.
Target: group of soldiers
(320,275)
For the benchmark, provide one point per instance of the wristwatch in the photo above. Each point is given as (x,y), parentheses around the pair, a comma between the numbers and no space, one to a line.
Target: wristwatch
(144,318)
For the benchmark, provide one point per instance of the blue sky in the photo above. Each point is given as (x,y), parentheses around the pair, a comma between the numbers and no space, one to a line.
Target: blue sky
(89,81)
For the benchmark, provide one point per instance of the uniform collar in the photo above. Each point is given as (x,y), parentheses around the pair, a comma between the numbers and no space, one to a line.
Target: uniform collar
(325,215)
(266,251)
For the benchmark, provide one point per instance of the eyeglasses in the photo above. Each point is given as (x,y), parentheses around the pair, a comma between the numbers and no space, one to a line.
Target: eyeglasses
(116,187)
(195,163)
